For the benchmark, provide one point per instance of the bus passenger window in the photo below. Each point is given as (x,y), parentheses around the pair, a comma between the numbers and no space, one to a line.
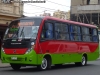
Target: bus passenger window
(58,31)
(85,30)
(90,34)
(79,33)
(47,32)
(61,31)
(75,29)
(73,33)
(86,34)
(94,35)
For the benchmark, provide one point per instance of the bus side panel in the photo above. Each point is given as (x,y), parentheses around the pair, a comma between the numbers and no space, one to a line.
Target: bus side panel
(93,55)
(64,51)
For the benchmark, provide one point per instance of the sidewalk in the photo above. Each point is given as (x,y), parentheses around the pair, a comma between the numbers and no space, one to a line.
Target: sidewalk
(99,58)
(2,65)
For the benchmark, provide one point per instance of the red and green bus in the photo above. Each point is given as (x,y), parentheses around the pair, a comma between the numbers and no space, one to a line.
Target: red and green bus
(46,41)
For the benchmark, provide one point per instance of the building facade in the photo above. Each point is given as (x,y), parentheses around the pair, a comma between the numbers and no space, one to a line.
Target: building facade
(62,14)
(9,11)
(86,11)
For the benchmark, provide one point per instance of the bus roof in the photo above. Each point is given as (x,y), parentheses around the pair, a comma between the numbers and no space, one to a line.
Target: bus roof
(57,19)
(71,22)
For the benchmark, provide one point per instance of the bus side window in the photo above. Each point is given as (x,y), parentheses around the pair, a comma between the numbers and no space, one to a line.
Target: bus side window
(66,30)
(94,35)
(47,32)
(90,33)
(79,33)
(61,31)
(58,30)
(71,33)
(85,34)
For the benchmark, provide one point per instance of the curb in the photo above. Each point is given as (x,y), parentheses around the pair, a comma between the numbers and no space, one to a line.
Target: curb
(98,59)
(5,66)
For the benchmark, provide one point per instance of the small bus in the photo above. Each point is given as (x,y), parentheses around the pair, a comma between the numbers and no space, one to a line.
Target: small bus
(46,41)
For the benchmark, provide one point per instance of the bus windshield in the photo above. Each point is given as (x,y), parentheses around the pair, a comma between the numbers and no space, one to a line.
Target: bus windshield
(24,29)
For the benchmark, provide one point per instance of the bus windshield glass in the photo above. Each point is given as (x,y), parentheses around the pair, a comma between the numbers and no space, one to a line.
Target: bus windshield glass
(24,29)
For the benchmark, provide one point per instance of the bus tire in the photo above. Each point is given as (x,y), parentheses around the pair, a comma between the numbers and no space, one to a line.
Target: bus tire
(15,66)
(83,62)
(46,64)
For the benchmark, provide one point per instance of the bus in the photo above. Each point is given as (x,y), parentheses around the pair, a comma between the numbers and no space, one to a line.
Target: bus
(46,41)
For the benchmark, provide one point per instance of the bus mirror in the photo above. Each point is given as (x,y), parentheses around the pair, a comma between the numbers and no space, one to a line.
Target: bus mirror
(42,36)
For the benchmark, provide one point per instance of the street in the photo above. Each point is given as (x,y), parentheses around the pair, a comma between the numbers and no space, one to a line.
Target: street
(93,68)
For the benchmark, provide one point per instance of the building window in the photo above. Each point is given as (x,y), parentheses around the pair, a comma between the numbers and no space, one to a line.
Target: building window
(98,1)
(88,2)
(7,1)
(83,2)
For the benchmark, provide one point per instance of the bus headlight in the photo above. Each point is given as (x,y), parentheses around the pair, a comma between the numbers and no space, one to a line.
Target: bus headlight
(32,47)
(28,50)
(2,49)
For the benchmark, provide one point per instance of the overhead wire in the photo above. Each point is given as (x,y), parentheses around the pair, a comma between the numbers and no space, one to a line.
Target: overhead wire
(41,7)
(57,3)
(49,9)
(46,9)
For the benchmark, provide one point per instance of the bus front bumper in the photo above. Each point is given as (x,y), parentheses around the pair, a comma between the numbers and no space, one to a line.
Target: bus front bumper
(30,58)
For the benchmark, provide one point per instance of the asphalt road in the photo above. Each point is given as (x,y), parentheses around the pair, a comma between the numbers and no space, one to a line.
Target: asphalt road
(93,68)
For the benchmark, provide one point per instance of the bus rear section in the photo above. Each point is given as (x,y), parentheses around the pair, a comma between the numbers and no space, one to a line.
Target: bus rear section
(68,41)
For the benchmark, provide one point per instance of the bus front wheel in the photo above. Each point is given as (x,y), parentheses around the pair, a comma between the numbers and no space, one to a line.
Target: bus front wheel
(15,66)
(46,64)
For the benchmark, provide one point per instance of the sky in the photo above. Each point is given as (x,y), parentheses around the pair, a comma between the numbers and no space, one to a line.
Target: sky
(35,9)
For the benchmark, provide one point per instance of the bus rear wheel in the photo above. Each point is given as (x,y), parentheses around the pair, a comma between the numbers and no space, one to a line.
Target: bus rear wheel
(46,64)
(83,61)
(15,66)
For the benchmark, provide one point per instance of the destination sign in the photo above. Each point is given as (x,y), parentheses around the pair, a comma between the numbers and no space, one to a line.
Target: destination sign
(25,23)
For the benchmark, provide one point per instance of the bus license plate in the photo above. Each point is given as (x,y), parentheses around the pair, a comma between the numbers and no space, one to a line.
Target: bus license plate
(14,58)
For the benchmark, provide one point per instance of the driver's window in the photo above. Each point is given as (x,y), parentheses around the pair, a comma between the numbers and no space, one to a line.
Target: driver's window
(47,31)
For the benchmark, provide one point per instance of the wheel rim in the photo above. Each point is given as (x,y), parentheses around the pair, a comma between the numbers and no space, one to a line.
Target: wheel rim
(83,60)
(44,64)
